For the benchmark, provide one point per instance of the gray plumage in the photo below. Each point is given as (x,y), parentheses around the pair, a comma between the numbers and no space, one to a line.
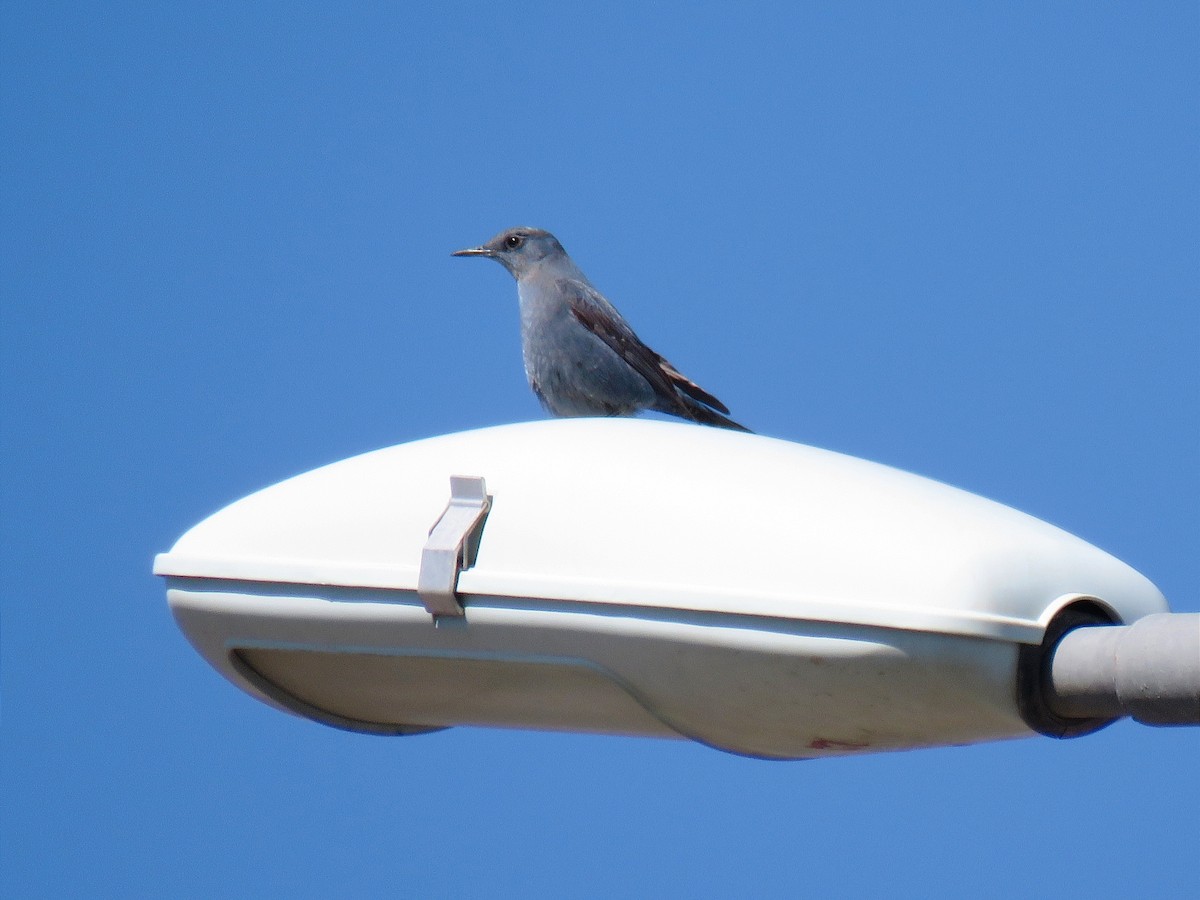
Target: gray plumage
(581,357)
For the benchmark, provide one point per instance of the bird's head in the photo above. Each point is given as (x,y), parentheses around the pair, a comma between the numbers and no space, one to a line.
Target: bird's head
(518,249)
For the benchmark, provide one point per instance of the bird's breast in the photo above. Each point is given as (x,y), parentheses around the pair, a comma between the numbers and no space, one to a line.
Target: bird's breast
(572,370)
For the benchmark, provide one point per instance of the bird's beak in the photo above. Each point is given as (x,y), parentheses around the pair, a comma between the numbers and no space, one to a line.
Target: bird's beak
(473,251)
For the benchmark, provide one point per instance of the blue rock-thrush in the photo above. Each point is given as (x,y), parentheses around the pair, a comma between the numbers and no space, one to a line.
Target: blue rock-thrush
(581,356)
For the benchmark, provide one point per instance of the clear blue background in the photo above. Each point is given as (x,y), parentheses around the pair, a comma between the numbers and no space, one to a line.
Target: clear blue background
(955,238)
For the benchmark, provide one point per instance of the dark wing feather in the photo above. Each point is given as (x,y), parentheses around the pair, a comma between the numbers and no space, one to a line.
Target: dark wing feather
(599,317)
(690,387)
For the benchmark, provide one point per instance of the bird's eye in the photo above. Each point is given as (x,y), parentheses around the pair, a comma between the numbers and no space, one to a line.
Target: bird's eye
(514,241)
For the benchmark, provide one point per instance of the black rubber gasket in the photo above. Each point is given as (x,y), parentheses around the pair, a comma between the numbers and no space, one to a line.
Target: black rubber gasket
(1033,672)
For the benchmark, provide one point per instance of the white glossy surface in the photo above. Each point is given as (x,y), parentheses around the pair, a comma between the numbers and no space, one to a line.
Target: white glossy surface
(671,516)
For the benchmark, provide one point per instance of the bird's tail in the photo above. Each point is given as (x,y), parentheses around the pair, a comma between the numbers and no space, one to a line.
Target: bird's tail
(697,412)
(695,403)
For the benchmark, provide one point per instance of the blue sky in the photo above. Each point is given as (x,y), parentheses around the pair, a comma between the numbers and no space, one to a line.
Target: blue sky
(960,239)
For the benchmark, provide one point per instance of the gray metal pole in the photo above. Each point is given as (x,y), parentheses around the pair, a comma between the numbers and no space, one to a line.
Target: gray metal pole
(1149,670)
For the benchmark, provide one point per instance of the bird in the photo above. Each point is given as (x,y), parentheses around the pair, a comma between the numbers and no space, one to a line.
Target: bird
(581,357)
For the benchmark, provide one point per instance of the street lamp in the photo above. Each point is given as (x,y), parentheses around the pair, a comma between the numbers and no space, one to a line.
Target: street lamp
(637,577)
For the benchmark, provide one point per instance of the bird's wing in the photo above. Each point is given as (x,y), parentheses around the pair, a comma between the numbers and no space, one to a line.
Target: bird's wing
(690,387)
(599,317)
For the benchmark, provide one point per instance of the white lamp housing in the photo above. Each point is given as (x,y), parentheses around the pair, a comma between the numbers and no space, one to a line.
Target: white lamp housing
(637,577)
